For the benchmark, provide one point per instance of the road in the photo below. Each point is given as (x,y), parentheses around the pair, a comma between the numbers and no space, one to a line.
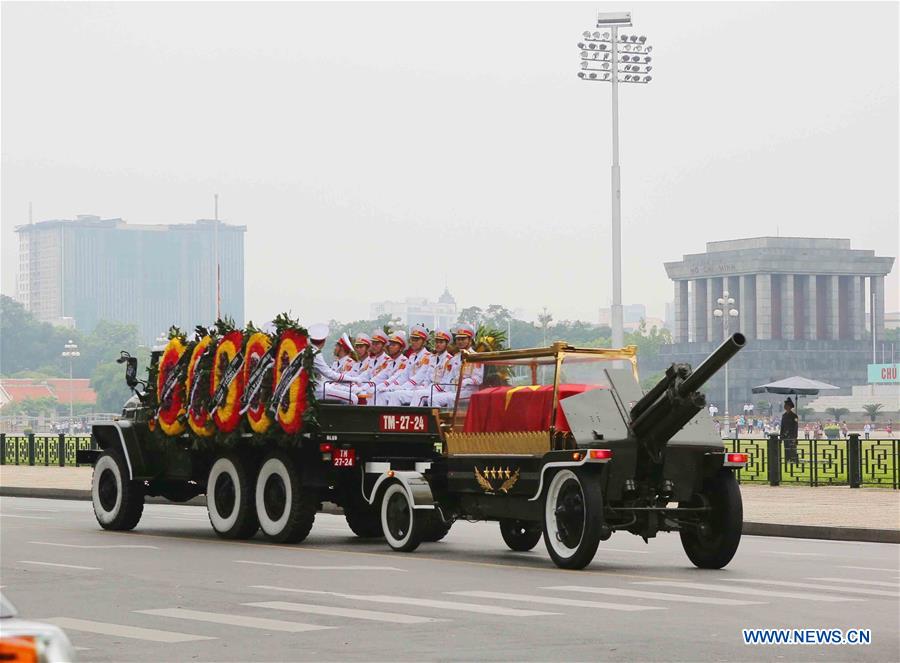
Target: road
(172,591)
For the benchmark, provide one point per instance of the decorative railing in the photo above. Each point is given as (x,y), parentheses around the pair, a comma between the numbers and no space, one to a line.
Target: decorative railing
(54,450)
(821,462)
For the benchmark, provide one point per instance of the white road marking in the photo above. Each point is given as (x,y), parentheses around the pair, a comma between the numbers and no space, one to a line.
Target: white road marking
(234,620)
(750,591)
(659,596)
(798,554)
(65,566)
(877,583)
(425,603)
(869,568)
(352,613)
(348,567)
(75,545)
(123,631)
(550,600)
(825,588)
(13,515)
(28,508)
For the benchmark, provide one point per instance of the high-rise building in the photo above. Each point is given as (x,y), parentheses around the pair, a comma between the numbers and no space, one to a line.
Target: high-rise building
(807,306)
(90,269)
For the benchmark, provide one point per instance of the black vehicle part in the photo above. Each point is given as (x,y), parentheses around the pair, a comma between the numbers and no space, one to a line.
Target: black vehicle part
(174,491)
(712,542)
(364,518)
(520,535)
(573,517)
(286,510)
(229,497)
(404,526)
(118,501)
(436,529)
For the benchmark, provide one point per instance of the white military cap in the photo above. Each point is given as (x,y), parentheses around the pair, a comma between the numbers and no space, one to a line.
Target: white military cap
(318,331)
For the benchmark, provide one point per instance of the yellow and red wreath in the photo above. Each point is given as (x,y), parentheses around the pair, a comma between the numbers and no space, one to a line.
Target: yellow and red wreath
(172,400)
(289,411)
(228,413)
(257,346)
(198,381)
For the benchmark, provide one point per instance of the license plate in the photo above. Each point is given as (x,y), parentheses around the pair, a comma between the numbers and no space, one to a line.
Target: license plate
(402,423)
(343,457)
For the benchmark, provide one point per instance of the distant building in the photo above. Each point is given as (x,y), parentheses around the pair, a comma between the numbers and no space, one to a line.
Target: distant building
(631,314)
(77,390)
(418,310)
(802,305)
(90,269)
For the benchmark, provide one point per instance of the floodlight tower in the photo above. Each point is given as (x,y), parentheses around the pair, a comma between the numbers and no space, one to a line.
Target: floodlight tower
(607,56)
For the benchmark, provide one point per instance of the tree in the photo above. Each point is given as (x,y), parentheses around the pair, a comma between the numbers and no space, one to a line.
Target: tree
(872,410)
(472,315)
(108,381)
(837,412)
(497,316)
(545,319)
(27,344)
(804,412)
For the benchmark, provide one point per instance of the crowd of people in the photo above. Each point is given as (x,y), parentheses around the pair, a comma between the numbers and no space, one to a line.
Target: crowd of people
(396,369)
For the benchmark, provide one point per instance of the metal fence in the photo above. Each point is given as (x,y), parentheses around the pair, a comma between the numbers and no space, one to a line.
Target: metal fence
(56,450)
(848,462)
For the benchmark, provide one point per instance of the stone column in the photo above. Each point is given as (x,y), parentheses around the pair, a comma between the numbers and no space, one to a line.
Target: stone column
(832,312)
(713,324)
(698,322)
(860,295)
(681,312)
(812,310)
(764,306)
(876,286)
(787,306)
(747,305)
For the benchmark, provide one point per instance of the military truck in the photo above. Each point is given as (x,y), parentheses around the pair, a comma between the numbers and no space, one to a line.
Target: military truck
(555,443)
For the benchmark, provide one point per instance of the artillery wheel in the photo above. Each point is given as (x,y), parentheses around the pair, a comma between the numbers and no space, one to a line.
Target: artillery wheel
(118,501)
(285,509)
(716,540)
(403,527)
(573,517)
(229,497)
(520,535)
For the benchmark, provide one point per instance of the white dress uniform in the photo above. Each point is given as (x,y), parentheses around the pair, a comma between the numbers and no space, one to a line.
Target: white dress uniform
(396,373)
(441,377)
(421,373)
(469,376)
(332,383)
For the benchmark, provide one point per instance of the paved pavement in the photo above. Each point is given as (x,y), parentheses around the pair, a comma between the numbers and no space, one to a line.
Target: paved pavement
(172,591)
(839,506)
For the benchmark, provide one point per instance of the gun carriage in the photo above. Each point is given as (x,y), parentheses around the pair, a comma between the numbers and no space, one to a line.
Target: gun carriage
(555,443)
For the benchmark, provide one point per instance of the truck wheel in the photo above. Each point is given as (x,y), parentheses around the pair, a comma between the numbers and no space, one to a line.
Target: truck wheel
(229,498)
(286,511)
(520,535)
(714,543)
(364,519)
(402,527)
(118,501)
(436,528)
(573,515)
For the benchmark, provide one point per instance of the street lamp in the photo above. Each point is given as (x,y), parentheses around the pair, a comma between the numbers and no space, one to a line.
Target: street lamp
(70,351)
(601,61)
(726,311)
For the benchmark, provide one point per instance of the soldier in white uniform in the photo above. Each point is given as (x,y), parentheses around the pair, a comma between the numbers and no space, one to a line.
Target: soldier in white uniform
(395,371)
(344,358)
(469,378)
(339,384)
(362,343)
(376,362)
(423,366)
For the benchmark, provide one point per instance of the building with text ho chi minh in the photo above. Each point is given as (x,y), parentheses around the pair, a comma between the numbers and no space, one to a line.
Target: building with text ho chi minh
(807,307)
(79,272)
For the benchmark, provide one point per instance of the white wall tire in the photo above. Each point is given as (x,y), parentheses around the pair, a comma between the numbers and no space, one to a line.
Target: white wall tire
(118,502)
(572,518)
(285,510)
(229,502)
(399,522)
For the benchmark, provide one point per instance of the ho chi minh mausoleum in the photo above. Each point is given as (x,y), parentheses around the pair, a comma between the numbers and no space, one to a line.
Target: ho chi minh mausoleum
(805,305)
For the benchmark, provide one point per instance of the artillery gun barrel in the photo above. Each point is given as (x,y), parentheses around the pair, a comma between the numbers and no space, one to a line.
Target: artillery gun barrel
(713,363)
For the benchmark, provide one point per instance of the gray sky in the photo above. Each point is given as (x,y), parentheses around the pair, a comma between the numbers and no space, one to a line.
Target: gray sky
(376,151)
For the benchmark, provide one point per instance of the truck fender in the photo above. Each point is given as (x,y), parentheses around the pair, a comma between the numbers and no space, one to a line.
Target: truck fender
(119,435)
(586,460)
(415,484)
